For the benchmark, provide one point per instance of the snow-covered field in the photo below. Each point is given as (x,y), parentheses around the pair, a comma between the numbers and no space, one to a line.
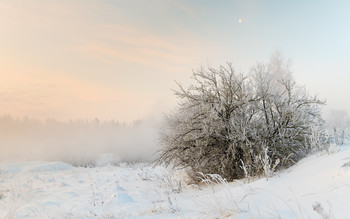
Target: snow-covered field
(316,187)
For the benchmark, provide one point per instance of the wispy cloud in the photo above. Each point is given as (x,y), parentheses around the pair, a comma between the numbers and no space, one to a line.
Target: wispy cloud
(76,58)
(130,45)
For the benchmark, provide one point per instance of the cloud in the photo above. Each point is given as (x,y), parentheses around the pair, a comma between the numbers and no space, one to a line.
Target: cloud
(145,51)
(164,5)
(39,92)
(92,59)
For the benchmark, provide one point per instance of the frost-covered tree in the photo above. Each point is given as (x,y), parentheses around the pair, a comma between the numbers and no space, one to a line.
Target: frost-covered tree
(338,125)
(240,125)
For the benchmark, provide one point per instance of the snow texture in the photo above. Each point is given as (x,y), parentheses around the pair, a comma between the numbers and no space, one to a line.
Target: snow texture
(316,187)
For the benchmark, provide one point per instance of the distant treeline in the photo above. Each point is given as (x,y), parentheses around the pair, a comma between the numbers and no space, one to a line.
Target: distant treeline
(75,139)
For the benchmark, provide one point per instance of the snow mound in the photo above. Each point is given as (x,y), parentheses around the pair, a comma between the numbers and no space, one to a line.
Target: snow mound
(119,189)
(316,187)
(124,198)
(37,166)
(52,167)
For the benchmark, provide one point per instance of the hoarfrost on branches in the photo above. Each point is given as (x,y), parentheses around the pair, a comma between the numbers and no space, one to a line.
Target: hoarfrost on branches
(240,125)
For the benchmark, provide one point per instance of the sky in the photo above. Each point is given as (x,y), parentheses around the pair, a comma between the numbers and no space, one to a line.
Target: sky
(118,59)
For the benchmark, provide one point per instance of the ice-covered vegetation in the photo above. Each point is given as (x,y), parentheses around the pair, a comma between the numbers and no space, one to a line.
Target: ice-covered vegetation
(316,187)
(238,125)
(338,126)
(228,127)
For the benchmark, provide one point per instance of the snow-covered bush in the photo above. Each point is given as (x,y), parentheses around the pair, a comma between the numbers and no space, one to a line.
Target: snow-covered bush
(240,125)
(338,126)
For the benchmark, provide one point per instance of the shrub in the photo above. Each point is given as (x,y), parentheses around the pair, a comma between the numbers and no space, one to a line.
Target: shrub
(240,125)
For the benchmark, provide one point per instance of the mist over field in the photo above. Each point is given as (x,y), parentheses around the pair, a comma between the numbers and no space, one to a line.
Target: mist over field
(174,109)
(76,140)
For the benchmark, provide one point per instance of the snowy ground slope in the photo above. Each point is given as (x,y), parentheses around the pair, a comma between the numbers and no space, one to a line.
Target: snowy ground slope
(317,187)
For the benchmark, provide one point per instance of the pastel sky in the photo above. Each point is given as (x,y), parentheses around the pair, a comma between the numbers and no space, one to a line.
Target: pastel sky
(118,59)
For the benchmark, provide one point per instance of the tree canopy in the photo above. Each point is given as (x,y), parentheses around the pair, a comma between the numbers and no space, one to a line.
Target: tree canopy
(240,125)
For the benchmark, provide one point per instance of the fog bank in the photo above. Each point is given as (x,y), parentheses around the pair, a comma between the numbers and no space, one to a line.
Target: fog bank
(76,141)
